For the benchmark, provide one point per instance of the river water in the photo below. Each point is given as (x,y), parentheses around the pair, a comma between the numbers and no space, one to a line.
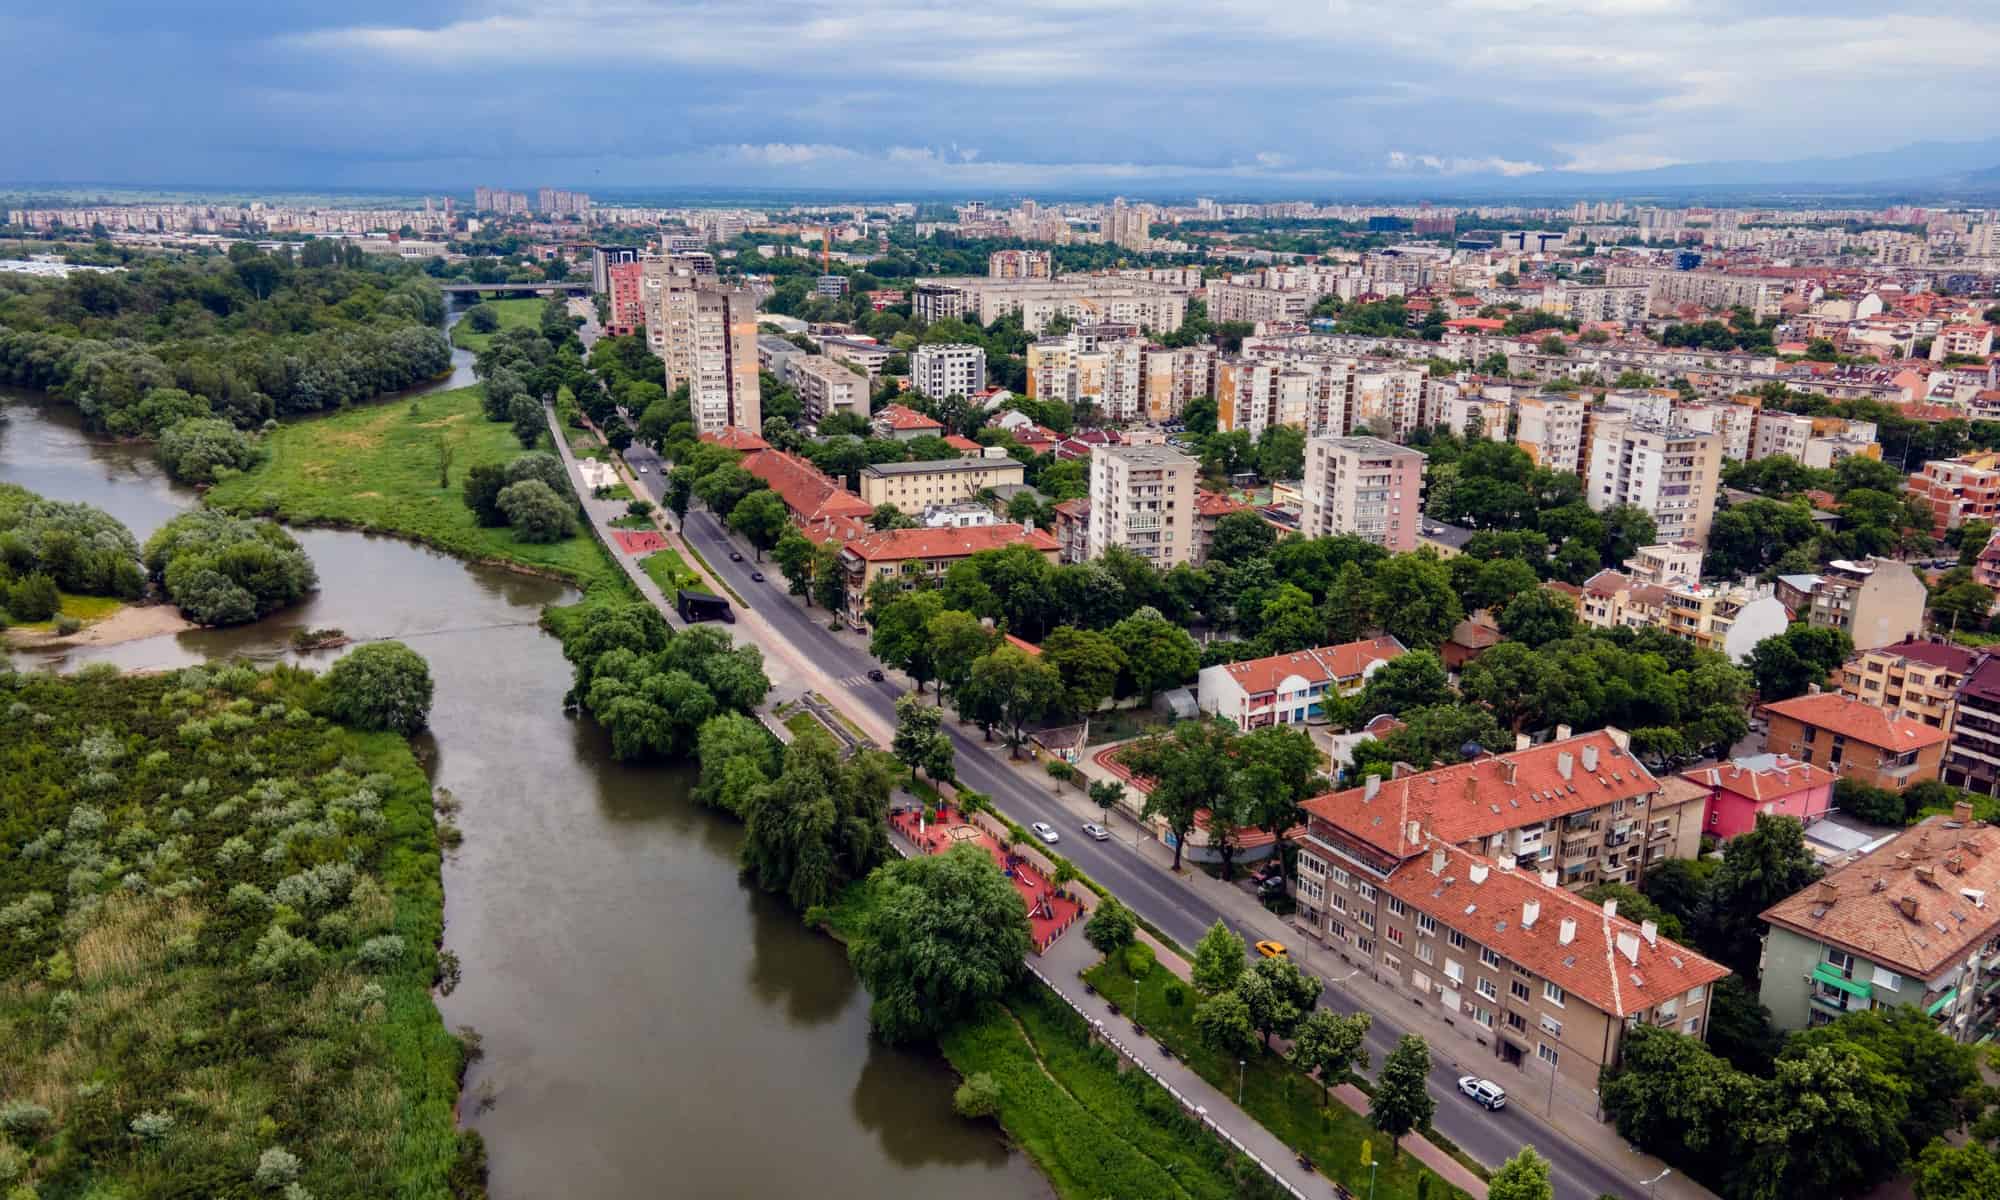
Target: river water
(652,1024)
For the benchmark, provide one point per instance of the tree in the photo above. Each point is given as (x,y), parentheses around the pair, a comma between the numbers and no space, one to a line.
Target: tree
(1402,1099)
(1670,1097)
(482,318)
(1826,1125)
(1759,868)
(536,513)
(1188,768)
(1416,601)
(1224,1025)
(1111,928)
(918,729)
(1412,680)
(738,756)
(1088,663)
(957,640)
(762,518)
(947,933)
(200,450)
(1279,995)
(1948,1172)
(1351,604)
(1281,452)
(1240,536)
(526,416)
(1785,664)
(1942,1074)
(1522,1177)
(1105,793)
(1521,686)
(224,570)
(1537,616)
(1330,1045)
(1158,654)
(1218,960)
(1968,604)
(1634,905)
(382,685)
(1020,688)
(902,634)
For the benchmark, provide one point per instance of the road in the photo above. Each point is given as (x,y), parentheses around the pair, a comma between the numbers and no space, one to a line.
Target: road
(1158,897)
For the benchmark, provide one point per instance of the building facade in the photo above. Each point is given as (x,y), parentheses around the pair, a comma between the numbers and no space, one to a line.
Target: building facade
(926,553)
(1142,498)
(1877,602)
(825,388)
(706,334)
(1363,486)
(1855,740)
(1919,679)
(1290,689)
(916,486)
(940,369)
(1670,471)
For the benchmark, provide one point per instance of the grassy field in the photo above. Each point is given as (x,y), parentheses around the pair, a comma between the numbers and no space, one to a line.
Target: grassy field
(512,313)
(668,569)
(222,920)
(1280,1098)
(86,609)
(376,467)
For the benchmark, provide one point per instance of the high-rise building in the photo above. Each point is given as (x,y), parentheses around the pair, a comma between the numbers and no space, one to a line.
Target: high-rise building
(1551,430)
(1142,498)
(603,258)
(941,369)
(706,333)
(1020,264)
(1363,486)
(627,292)
(1670,471)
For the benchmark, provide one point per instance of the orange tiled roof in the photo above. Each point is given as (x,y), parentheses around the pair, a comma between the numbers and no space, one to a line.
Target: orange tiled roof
(736,438)
(1024,645)
(805,489)
(1215,504)
(1487,795)
(1324,664)
(900,416)
(962,443)
(1604,960)
(894,545)
(1781,778)
(1862,722)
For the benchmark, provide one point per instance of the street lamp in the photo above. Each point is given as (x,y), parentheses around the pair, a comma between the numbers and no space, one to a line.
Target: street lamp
(1239,1082)
(1652,1185)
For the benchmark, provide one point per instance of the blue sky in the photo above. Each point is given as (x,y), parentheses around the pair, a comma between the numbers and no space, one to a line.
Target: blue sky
(1057,95)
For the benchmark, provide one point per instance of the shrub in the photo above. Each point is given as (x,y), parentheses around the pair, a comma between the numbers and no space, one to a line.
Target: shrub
(1138,960)
(12,1163)
(151,1126)
(197,450)
(66,625)
(482,493)
(540,465)
(380,953)
(1176,995)
(224,570)
(277,1167)
(279,955)
(25,1120)
(381,686)
(84,549)
(536,512)
(32,598)
(1112,926)
(978,1096)
(482,318)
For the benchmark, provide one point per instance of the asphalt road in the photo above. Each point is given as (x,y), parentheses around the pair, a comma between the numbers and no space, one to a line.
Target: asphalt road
(1172,906)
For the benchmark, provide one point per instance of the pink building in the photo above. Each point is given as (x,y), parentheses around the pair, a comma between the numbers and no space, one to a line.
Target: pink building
(1363,486)
(1739,791)
(628,312)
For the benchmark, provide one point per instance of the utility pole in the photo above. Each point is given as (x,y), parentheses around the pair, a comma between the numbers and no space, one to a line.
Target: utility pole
(1239,1082)
(1652,1185)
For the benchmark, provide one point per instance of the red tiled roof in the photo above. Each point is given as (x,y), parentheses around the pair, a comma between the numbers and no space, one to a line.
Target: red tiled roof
(1781,778)
(1934,654)
(1487,795)
(736,438)
(903,417)
(1323,664)
(1215,504)
(1607,961)
(1852,718)
(893,545)
(960,443)
(1607,583)
(1024,645)
(1568,589)
(806,491)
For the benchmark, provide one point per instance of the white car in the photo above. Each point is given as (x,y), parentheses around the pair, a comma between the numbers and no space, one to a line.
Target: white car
(1487,1092)
(1096,832)
(642,468)
(1046,832)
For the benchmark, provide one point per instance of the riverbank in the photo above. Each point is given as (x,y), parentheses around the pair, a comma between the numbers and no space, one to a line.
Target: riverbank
(120,624)
(398,468)
(513,314)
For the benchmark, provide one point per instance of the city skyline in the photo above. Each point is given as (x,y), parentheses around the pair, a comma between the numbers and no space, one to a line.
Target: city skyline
(1049,95)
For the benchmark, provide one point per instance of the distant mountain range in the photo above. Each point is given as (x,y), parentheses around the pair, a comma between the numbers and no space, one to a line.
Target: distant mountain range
(1920,163)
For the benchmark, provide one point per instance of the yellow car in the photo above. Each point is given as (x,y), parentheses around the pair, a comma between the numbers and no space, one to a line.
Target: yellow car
(1272,949)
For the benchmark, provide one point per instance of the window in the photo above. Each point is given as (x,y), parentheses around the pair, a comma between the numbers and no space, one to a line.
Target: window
(1427,924)
(1426,953)
(1367,891)
(1456,939)
(1516,1021)
(1395,935)
(1840,961)
(1454,971)
(1668,1010)
(1489,958)
(1548,1054)
(1552,1026)
(1397,908)
(1484,1016)
(1365,945)
(1342,878)
(1485,988)
(1553,994)
(1394,964)
(1367,918)
(1518,990)
(1339,902)
(1692,1027)
(1336,929)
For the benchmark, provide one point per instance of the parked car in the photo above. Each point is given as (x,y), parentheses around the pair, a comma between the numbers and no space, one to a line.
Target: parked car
(1487,1092)
(1273,949)
(735,556)
(1271,885)
(756,577)
(1096,832)
(1046,832)
(642,468)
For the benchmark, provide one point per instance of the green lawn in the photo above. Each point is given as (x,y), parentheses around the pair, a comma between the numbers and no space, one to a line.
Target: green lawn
(376,467)
(84,608)
(668,569)
(512,313)
(1280,1098)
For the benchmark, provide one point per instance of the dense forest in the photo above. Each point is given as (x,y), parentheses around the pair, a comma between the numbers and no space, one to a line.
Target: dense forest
(221,917)
(249,337)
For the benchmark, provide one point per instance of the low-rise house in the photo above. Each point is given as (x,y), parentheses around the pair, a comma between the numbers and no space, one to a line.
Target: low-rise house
(1914,921)
(812,497)
(1469,639)
(1919,679)
(1288,689)
(1072,529)
(1855,740)
(911,553)
(904,423)
(1739,791)
(1209,508)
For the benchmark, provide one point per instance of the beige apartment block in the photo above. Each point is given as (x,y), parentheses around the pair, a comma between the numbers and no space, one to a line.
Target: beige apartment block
(1919,679)
(826,387)
(706,334)
(1671,471)
(1551,430)
(1142,498)
(1364,486)
(915,486)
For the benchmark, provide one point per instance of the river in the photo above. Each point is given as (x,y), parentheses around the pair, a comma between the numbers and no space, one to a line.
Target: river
(652,1024)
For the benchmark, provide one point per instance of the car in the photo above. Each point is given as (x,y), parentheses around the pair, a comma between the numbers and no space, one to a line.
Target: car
(1487,1092)
(756,577)
(1273,950)
(875,674)
(735,556)
(1271,885)
(1096,832)
(1046,832)
(643,468)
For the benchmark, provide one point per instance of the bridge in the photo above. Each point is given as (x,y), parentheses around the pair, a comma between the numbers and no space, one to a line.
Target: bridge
(567,288)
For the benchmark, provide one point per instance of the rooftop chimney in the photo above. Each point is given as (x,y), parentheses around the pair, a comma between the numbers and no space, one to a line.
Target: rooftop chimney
(1530,911)
(1650,930)
(1414,833)
(1437,861)
(1628,945)
(1508,770)
(1590,760)
(1909,906)
(1477,873)
(1562,733)
(1619,738)
(1471,788)
(1549,878)
(1610,908)
(1926,873)
(1373,786)
(1566,932)
(1522,741)
(1962,812)
(1829,891)
(1565,764)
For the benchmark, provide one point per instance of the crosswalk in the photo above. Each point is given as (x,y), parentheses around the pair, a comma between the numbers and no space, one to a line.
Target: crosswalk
(853,680)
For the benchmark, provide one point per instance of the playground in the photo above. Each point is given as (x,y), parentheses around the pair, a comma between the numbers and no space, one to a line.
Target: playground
(1051,909)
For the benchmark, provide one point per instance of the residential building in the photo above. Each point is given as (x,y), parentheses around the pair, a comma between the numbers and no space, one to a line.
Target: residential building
(776,355)
(940,369)
(627,298)
(1172,377)
(1533,975)
(1919,679)
(1670,471)
(960,514)
(706,334)
(1665,563)
(1550,429)
(1256,304)
(603,258)
(904,553)
(865,353)
(826,387)
(1739,791)
(1072,530)
(932,302)
(1957,490)
(1020,264)
(1363,486)
(1972,760)
(1143,499)
(1909,922)
(1210,508)
(1877,602)
(1670,289)
(1591,303)
(815,501)
(831,286)
(1854,739)
(1817,442)
(903,423)
(1962,341)
(915,486)
(1289,689)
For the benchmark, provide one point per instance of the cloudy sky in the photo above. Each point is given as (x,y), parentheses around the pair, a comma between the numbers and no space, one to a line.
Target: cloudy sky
(1050,94)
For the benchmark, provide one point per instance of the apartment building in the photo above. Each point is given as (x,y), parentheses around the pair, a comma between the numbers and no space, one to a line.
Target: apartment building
(1550,429)
(1290,689)
(626,293)
(1962,341)
(1671,289)
(1209,509)
(903,423)
(1589,303)
(1817,442)
(1143,499)
(916,486)
(866,353)
(706,334)
(908,554)
(1082,299)
(1741,790)
(1909,922)
(1957,490)
(816,502)
(1670,471)
(1172,377)
(940,369)
(1855,739)
(1919,679)
(1665,563)
(1972,757)
(1020,264)
(1237,300)
(826,387)
(1363,486)
(603,258)
(1526,969)
(933,302)
(1876,602)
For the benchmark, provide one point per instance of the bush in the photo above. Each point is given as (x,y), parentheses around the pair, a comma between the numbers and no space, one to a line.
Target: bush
(66,625)
(539,464)
(383,685)
(1176,995)
(195,451)
(536,513)
(380,953)
(977,1097)
(482,318)
(32,598)
(224,570)
(84,549)
(151,1126)
(1111,927)
(24,1120)
(1138,960)
(277,1167)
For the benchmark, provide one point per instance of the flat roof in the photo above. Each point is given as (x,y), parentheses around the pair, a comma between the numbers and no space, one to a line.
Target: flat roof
(932,465)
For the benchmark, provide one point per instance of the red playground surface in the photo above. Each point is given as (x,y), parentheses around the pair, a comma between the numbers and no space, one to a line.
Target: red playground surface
(639,541)
(1050,909)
